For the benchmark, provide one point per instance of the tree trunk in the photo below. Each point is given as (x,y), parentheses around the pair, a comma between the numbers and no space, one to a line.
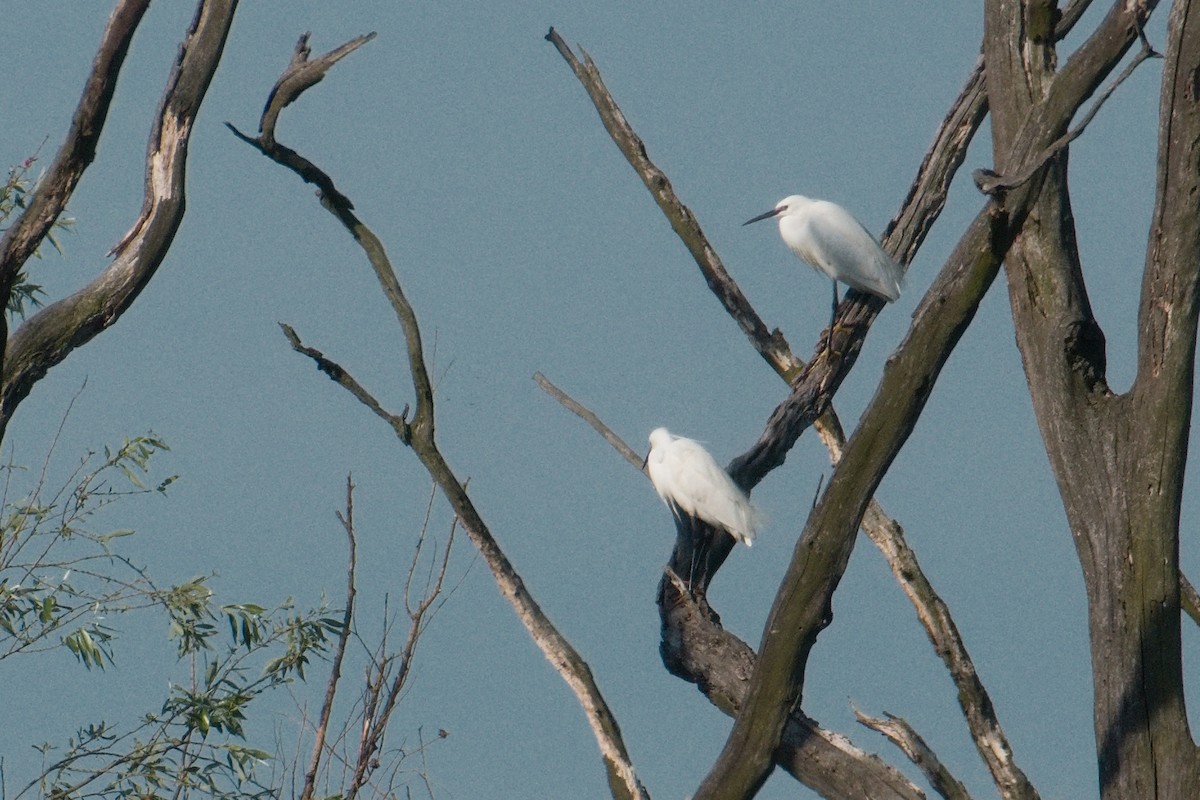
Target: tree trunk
(1118,459)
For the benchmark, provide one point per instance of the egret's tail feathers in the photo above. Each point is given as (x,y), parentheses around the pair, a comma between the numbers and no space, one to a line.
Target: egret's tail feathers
(891,279)
(745,522)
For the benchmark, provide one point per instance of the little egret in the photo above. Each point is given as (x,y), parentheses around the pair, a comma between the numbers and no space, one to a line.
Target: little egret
(691,483)
(831,240)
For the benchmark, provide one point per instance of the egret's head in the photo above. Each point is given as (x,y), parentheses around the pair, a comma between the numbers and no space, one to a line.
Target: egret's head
(659,437)
(789,203)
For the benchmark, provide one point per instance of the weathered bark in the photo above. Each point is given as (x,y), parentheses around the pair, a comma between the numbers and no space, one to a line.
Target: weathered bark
(47,337)
(801,608)
(694,646)
(1118,459)
(78,150)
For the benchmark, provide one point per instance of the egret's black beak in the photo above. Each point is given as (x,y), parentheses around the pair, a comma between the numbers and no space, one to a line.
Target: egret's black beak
(767,215)
(645,461)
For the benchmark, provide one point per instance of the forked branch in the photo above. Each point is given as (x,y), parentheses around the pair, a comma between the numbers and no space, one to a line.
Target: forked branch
(991,183)
(50,198)
(47,337)
(419,435)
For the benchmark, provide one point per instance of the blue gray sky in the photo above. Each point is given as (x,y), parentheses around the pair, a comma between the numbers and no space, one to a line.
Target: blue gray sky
(526,243)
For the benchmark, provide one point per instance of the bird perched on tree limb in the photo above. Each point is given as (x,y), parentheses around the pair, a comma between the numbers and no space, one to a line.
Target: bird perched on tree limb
(693,485)
(830,240)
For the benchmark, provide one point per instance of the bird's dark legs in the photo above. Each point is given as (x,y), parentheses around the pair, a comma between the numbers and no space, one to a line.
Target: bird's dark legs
(693,540)
(832,319)
(696,560)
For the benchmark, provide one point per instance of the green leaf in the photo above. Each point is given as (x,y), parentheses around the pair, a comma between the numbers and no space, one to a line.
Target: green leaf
(117,534)
(46,615)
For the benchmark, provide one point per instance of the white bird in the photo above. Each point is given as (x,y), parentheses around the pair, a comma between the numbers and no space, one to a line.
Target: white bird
(691,483)
(832,241)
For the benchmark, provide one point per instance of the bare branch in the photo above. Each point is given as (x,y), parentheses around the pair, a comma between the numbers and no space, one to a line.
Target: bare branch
(590,418)
(934,615)
(1070,15)
(901,734)
(302,74)
(824,761)
(771,345)
(419,435)
(927,196)
(990,183)
(346,381)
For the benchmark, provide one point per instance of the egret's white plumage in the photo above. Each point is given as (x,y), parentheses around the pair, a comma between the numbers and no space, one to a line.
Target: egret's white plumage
(831,240)
(691,482)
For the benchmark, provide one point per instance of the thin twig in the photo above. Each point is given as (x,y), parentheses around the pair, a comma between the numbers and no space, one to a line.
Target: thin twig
(377,715)
(627,452)
(990,183)
(335,669)
(345,380)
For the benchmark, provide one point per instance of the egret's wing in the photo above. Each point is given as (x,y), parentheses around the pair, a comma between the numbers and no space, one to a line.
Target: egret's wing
(692,473)
(706,491)
(846,251)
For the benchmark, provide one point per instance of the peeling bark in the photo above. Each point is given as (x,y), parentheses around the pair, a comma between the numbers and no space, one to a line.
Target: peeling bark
(47,337)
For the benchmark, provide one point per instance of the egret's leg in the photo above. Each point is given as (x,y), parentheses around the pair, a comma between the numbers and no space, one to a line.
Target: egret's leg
(832,319)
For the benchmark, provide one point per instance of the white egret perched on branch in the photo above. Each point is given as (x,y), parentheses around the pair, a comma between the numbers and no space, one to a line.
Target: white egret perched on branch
(692,484)
(832,241)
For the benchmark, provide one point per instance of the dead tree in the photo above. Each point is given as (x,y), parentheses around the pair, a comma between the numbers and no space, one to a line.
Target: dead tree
(1118,458)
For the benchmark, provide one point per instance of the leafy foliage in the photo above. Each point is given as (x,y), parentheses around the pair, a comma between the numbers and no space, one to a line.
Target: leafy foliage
(196,741)
(61,585)
(13,193)
(60,579)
